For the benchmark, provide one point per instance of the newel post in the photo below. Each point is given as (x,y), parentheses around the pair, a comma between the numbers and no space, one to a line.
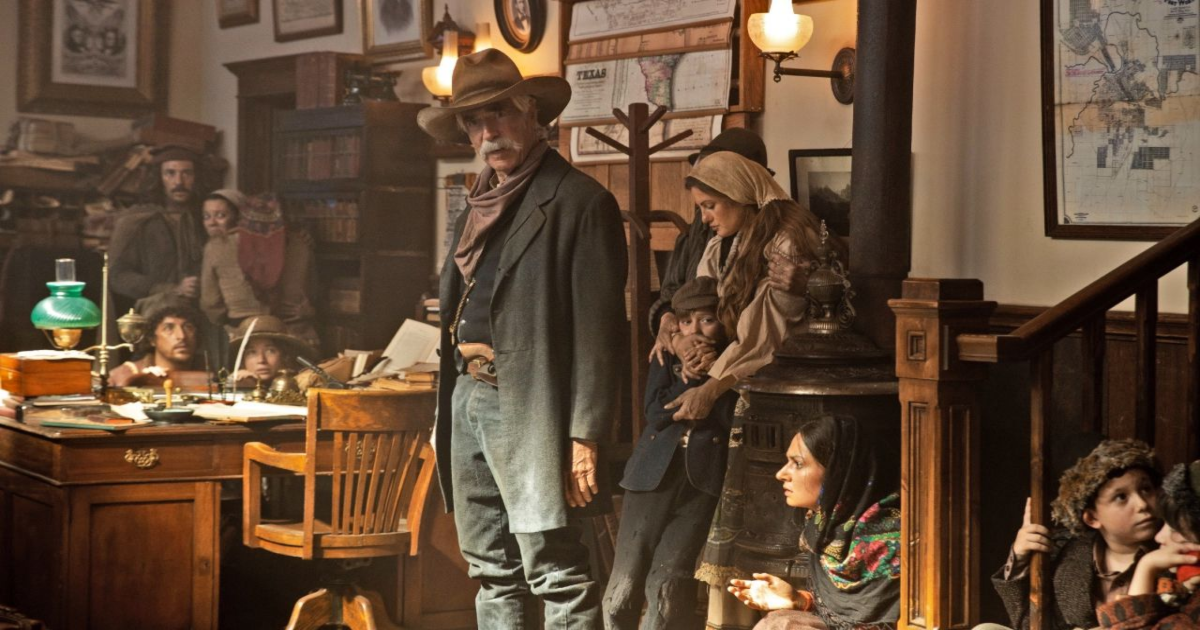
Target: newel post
(939,489)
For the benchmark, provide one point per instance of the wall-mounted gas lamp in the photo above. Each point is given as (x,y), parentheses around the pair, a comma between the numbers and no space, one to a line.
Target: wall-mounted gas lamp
(780,33)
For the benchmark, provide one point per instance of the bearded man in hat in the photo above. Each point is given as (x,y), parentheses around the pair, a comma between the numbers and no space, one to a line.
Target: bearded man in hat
(533,291)
(156,246)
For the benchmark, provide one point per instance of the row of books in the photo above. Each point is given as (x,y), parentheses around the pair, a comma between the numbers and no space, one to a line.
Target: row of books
(332,156)
(329,220)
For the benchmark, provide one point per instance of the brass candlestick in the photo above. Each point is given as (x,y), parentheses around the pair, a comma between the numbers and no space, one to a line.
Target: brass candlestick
(131,326)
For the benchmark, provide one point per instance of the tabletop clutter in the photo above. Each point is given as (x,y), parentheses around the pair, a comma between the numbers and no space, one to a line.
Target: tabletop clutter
(57,388)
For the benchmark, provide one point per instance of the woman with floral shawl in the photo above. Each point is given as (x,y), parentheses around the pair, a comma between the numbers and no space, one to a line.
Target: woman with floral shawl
(850,494)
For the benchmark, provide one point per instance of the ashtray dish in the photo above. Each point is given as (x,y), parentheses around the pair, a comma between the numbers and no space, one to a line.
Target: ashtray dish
(170,414)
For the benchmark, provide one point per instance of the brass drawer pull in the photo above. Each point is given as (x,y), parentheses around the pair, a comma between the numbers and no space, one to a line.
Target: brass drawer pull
(143,457)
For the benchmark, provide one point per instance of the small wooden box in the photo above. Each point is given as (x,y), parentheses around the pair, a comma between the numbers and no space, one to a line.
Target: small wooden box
(43,377)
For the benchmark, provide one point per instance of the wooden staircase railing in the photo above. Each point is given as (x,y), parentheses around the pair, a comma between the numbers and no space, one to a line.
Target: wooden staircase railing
(941,348)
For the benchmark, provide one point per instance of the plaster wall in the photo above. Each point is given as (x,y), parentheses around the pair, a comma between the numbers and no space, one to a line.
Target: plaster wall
(977,187)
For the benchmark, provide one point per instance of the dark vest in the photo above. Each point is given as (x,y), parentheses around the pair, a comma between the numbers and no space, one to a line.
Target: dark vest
(475,322)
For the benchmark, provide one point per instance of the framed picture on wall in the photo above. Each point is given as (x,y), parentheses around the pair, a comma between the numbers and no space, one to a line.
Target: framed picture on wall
(237,12)
(821,181)
(397,30)
(301,19)
(92,59)
(522,22)
(1120,119)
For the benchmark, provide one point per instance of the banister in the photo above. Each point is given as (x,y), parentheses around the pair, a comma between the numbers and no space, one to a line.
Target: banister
(1111,289)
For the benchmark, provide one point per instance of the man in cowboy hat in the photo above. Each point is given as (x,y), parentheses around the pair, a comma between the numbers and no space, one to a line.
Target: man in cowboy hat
(156,246)
(533,289)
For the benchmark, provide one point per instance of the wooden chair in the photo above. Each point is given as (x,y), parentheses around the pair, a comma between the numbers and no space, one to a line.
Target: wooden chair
(382,467)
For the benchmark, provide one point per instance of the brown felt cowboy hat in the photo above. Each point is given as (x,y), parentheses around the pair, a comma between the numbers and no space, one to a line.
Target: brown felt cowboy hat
(487,77)
(273,328)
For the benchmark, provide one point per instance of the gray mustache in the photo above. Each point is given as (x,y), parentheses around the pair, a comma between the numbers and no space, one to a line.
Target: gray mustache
(499,144)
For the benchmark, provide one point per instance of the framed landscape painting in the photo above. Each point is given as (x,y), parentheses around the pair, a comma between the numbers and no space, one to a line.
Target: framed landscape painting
(89,58)
(821,182)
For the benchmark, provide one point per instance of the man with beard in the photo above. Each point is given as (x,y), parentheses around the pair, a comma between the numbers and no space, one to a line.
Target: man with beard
(533,288)
(156,247)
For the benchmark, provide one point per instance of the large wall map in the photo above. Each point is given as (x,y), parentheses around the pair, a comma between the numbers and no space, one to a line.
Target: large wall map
(1126,111)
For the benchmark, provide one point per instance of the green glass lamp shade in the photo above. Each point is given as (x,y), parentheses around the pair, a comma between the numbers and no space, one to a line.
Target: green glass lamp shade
(65,308)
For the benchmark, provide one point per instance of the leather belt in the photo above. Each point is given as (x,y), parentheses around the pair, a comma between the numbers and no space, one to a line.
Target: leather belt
(480,362)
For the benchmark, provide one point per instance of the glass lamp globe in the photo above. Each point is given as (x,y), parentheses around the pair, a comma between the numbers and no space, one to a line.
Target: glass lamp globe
(66,312)
(780,30)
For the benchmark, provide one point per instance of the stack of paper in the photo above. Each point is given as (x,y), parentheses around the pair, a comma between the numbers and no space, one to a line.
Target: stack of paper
(413,349)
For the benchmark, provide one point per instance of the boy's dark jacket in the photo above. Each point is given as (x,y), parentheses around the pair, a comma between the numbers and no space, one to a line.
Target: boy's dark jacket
(707,445)
(1072,571)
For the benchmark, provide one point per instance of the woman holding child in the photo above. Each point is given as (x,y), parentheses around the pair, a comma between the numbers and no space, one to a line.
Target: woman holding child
(731,323)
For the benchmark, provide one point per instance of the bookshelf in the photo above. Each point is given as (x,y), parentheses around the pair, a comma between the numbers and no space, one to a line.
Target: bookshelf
(361,179)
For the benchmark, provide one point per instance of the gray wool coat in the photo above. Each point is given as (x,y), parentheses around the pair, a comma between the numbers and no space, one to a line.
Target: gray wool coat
(557,318)
(1072,568)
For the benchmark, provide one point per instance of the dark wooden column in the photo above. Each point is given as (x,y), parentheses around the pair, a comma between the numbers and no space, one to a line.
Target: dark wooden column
(881,204)
(939,474)
(265,88)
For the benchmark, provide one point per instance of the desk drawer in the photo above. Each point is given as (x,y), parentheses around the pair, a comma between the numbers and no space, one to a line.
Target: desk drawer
(140,461)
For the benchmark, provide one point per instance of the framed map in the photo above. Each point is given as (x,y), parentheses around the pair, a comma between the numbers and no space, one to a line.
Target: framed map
(1121,117)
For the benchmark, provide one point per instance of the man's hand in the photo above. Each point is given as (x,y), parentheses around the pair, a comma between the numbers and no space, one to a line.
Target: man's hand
(764,592)
(189,287)
(695,403)
(1030,538)
(581,476)
(668,327)
(787,276)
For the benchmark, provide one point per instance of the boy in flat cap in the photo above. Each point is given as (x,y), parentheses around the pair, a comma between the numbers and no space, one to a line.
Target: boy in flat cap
(673,481)
(1105,506)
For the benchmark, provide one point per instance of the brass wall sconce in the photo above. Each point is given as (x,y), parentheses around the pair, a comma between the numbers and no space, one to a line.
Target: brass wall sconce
(453,42)
(780,33)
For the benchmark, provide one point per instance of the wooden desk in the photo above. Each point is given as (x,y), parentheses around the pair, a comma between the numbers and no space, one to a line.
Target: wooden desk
(120,530)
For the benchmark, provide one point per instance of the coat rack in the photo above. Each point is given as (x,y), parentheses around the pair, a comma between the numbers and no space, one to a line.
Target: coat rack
(638,122)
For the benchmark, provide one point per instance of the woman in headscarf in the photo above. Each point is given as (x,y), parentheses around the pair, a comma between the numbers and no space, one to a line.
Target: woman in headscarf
(754,222)
(253,265)
(850,494)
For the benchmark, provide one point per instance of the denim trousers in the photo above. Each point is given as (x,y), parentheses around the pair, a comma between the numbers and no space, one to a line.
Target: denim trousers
(661,534)
(515,571)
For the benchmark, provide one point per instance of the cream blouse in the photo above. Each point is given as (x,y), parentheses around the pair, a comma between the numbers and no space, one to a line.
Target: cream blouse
(769,318)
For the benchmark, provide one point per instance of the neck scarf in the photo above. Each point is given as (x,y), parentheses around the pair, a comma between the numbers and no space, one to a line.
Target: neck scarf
(488,204)
(262,242)
(742,180)
(853,537)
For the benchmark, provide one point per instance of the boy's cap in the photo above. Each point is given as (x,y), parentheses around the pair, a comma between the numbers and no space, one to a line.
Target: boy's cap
(744,142)
(1079,485)
(700,292)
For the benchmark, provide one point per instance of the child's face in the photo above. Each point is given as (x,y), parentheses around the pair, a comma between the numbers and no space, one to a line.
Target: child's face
(1169,534)
(1124,510)
(702,321)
